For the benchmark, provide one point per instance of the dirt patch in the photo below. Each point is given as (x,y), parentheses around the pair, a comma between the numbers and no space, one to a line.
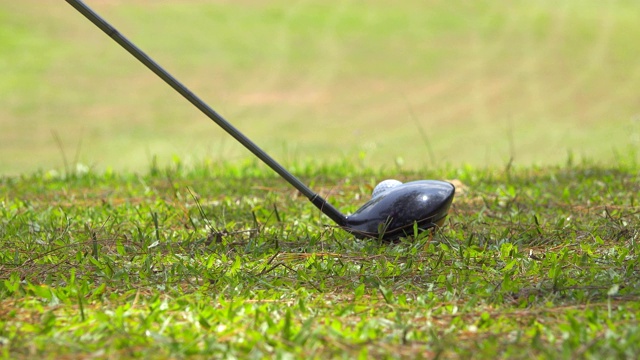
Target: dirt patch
(283,97)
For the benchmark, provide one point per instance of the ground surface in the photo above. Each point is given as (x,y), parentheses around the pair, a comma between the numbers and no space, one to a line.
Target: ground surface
(533,263)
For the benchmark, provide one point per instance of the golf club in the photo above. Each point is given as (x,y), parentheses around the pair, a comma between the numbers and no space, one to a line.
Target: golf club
(395,210)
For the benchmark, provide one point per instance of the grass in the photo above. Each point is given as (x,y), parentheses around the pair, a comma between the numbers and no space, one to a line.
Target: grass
(416,83)
(207,254)
(227,261)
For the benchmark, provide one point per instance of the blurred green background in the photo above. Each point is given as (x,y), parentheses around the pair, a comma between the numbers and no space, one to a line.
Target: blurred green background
(413,83)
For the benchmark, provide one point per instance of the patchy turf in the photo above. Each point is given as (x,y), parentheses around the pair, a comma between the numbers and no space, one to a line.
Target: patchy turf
(227,261)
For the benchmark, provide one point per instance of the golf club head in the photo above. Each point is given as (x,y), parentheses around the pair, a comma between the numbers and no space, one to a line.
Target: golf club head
(392,213)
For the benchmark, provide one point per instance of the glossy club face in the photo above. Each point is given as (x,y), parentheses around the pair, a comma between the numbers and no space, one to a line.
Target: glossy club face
(392,213)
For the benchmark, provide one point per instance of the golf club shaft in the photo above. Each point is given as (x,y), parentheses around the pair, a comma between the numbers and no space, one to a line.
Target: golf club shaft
(318,201)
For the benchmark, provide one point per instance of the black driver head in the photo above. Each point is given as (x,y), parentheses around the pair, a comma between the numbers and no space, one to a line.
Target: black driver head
(393,213)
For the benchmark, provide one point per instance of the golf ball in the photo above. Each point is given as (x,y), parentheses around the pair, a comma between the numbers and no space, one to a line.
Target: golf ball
(384,186)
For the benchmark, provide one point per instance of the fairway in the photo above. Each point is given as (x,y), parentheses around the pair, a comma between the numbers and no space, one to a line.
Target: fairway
(417,84)
(532,263)
(133,227)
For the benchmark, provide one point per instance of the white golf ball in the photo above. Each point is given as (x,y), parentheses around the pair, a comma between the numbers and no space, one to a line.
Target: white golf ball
(384,186)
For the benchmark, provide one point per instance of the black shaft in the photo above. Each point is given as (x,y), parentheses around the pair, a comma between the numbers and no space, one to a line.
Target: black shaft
(318,201)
